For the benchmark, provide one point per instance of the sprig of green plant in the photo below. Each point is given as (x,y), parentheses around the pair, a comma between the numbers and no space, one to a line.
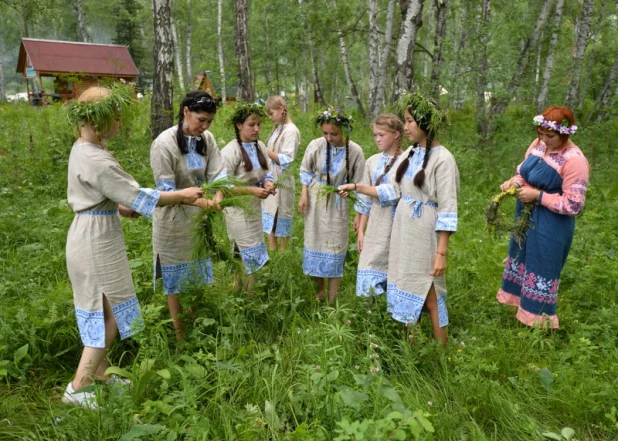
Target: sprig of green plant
(242,111)
(425,112)
(496,224)
(325,192)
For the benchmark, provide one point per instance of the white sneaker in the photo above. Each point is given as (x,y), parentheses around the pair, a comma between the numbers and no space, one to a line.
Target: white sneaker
(86,400)
(116,380)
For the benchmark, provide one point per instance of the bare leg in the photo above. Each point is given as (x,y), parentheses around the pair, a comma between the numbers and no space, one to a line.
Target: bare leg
(284,242)
(333,288)
(319,285)
(440,334)
(272,241)
(249,283)
(92,358)
(173,302)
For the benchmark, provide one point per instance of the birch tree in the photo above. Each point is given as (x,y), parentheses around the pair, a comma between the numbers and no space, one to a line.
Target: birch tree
(440,32)
(549,61)
(459,85)
(482,115)
(581,43)
(188,44)
(241,45)
(2,91)
(82,33)
(384,57)
(177,55)
(404,52)
(220,50)
(378,61)
(163,79)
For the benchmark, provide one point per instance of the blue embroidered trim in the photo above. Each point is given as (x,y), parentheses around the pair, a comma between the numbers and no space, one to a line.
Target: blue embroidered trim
(91,327)
(363,206)
(416,205)
(406,307)
(323,264)
(370,282)
(176,277)
(415,163)
(269,177)
(386,195)
(380,166)
(99,212)
(272,138)
(146,201)
(128,317)
(195,161)
(254,258)
(166,185)
(284,227)
(268,221)
(284,161)
(447,221)
(306,178)
(252,152)
(337,157)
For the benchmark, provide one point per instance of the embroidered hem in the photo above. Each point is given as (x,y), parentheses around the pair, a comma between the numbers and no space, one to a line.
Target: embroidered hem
(254,258)
(507,298)
(91,324)
(406,307)
(284,227)
(370,282)
(325,265)
(530,319)
(175,277)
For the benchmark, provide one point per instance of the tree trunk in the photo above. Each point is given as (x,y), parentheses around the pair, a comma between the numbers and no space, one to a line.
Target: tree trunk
(459,85)
(220,46)
(524,57)
(267,75)
(384,57)
(404,53)
(161,113)
(177,56)
(549,61)
(581,43)
(2,91)
(82,33)
(188,43)
(437,46)
(483,113)
(605,94)
(373,58)
(241,41)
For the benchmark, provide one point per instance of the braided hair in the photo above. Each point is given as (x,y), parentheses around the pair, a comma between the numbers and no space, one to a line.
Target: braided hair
(241,114)
(196,101)
(336,117)
(394,124)
(277,102)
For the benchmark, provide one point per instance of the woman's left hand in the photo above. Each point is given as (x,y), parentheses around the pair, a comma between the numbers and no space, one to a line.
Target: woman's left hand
(270,187)
(439,265)
(528,194)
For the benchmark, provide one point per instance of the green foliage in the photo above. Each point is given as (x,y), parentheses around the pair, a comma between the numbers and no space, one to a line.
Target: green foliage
(242,111)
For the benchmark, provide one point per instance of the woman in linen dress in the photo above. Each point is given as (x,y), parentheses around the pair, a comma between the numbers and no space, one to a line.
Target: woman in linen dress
(330,160)
(426,186)
(98,190)
(376,217)
(245,160)
(183,156)
(283,142)
(554,174)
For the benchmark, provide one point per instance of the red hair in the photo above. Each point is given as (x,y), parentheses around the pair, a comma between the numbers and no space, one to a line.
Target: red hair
(559,114)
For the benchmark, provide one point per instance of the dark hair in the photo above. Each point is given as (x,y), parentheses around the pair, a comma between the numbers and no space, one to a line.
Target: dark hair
(195,101)
(245,156)
(347,156)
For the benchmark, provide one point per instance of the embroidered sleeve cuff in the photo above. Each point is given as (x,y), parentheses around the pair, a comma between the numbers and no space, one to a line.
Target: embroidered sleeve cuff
(222,175)
(446,222)
(284,161)
(386,195)
(306,177)
(146,201)
(166,185)
(268,177)
(363,206)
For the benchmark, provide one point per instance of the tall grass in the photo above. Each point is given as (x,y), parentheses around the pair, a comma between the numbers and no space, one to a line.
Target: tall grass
(279,365)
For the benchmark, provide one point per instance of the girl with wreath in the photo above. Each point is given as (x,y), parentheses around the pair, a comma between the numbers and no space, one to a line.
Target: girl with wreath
(99,190)
(185,155)
(331,160)
(553,177)
(283,142)
(425,186)
(376,217)
(245,160)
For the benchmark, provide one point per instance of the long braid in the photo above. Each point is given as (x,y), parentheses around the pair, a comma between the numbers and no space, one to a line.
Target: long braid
(180,139)
(261,158)
(284,116)
(388,166)
(419,179)
(401,170)
(245,156)
(347,160)
(328,162)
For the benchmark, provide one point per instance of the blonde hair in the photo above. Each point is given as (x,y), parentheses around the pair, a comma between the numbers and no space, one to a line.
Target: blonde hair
(94,94)
(393,124)
(277,102)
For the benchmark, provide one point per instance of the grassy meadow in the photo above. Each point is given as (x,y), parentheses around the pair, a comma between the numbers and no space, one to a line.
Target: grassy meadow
(278,364)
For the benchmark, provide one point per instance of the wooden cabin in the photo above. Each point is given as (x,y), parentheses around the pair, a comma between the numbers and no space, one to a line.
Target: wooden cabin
(203,82)
(75,66)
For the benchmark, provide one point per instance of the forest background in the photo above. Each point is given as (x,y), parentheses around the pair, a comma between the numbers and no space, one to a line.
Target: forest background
(280,366)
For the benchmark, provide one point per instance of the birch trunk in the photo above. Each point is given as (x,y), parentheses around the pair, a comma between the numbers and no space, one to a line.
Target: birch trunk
(524,57)
(581,43)
(177,56)
(241,45)
(459,85)
(437,46)
(549,61)
(163,79)
(82,33)
(188,43)
(220,47)
(483,114)
(373,108)
(267,55)
(605,94)
(2,91)
(404,52)
(384,57)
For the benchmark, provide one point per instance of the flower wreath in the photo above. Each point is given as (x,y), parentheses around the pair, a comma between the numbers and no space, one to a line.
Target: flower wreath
(243,111)
(494,217)
(423,111)
(336,117)
(562,128)
(101,113)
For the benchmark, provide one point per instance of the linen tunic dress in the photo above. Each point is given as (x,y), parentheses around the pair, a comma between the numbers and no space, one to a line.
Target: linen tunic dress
(373,261)
(532,272)
(97,260)
(245,228)
(421,213)
(282,203)
(326,227)
(171,227)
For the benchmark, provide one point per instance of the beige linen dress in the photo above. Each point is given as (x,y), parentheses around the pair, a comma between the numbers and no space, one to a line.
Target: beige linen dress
(244,228)
(326,227)
(420,215)
(373,261)
(171,226)
(281,205)
(97,260)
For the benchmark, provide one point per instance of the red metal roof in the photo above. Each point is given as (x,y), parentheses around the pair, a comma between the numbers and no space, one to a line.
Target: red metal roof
(51,56)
